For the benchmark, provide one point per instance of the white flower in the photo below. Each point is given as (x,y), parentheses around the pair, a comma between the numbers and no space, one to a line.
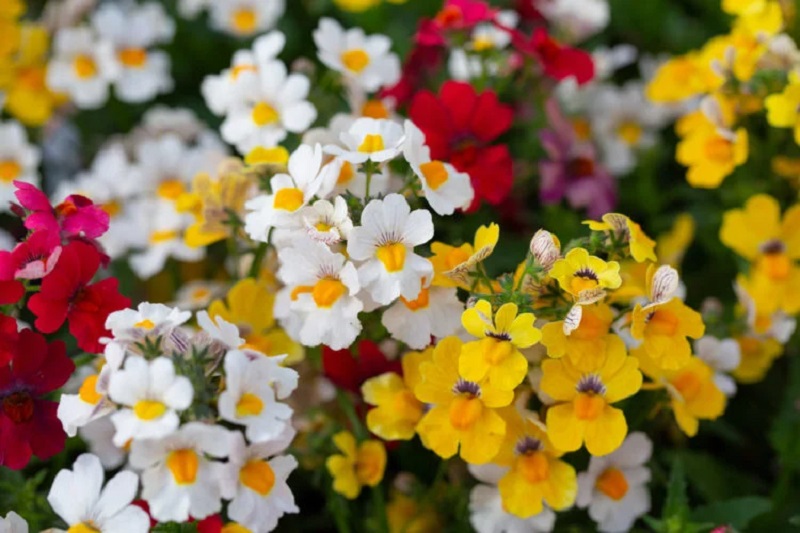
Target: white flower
(350,179)
(436,312)
(91,402)
(99,437)
(369,139)
(324,222)
(178,478)
(153,393)
(290,192)
(83,66)
(79,498)
(13,523)
(254,479)
(385,243)
(220,330)
(133,29)
(724,357)
(222,90)
(160,120)
(146,320)
(477,57)
(272,103)
(445,188)
(322,287)
(364,60)
(486,506)
(614,487)
(18,161)
(198,294)
(245,17)
(579,19)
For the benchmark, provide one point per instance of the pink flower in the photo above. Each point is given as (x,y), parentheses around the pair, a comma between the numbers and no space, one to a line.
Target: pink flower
(32,259)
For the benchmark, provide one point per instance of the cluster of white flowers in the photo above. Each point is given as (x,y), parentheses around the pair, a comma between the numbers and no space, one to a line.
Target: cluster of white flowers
(242,18)
(19,161)
(153,406)
(482,54)
(115,48)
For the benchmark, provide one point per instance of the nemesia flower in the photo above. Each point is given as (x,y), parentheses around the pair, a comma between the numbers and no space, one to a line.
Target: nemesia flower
(463,414)
(455,15)
(782,107)
(32,368)
(626,230)
(435,312)
(587,344)
(67,295)
(364,60)
(98,436)
(244,18)
(13,523)
(323,221)
(614,487)
(557,61)
(149,393)
(664,329)
(79,498)
(357,466)
(220,331)
(724,356)
(583,412)
(33,258)
(452,265)
(369,139)
(582,275)
(147,320)
(459,126)
(178,478)
(479,53)
(18,161)
(348,369)
(91,403)
(757,356)
(397,411)
(198,294)
(496,355)
(384,244)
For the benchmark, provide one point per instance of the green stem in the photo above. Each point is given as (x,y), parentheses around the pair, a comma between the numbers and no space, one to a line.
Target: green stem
(258,258)
(368,171)
(347,406)
(379,503)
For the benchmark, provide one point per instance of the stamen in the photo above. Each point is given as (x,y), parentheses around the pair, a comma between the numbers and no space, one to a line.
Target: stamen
(463,386)
(591,383)
(528,444)
(773,246)
(587,273)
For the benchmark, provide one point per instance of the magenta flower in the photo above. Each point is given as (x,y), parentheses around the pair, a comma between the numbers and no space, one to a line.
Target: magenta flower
(572,170)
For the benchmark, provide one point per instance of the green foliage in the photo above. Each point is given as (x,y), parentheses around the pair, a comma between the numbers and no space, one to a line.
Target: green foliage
(736,513)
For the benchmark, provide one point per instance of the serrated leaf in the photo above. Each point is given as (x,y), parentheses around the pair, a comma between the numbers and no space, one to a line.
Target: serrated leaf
(677,504)
(737,512)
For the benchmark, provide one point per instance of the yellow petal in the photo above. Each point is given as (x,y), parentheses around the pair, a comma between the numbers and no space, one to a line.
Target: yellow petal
(606,433)
(477,320)
(564,429)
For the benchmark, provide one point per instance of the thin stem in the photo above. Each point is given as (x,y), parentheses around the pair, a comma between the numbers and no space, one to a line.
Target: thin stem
(379,503)
(258,258)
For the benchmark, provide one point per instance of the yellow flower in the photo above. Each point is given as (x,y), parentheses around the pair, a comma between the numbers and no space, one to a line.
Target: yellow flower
(496,356)
(398,411)
(452,265)
(463,413)
(536,475)
(583,411)
(761,18)
(585,346)
(11,9)
(626,230)
(672,245)
(359,466)
(249,306)
(357,6)
(664,329)
(710,155)
(757,357)
(581,274)
(782,108)
(407,515)
(683,77)
(276,156)
(693,393)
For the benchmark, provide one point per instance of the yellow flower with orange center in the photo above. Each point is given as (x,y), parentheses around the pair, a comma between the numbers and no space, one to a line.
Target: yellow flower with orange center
(581,274)
(711,155)
(758,355)
(357,466)
(451,264)
(663,329)
(585,346)
(623,229)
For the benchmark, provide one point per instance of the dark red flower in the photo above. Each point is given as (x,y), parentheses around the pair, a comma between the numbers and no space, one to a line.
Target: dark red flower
(11,290)
(420,65)
(558,61)
(33,258)
(28,423)
(455,15)
(349,371)
(8,338)
(66,294)
(459,126)
(210,524)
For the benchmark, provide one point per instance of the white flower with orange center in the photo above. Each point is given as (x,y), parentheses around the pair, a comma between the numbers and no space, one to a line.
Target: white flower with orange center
(322,286)
(254,479)
(614,488)
(272,103)
(324,222)
(249,397)
(83,66)
(223,90)
(168,163)
(179,479)
(480,56)
(369,139)
(445,188)
(365,61)
(384,244)
(133,29)
(290,193)
(13,523)
(18,161)
(147,320)
(245,18)
(435,312)
(91,402)
(151,395)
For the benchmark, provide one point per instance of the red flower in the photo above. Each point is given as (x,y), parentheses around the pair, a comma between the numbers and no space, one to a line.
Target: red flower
(32,259)
(11,290)
(558,61)
(28,423)
(459,127)
(454,15)
(8,338)
(420,65)
(349,372)
(66,294)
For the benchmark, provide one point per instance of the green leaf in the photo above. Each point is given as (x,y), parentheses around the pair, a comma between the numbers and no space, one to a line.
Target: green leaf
(714,480)
(736,513)
(676,508)
(174,527)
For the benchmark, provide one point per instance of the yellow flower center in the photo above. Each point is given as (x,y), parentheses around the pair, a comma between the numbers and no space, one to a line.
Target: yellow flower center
(145,324)
(355,60)
(534,467)
(88,391)
(163,236)
(259,343)
(200,294)
(465,411)
(374,109)
(663,322)
(581,283)
(371,143)
(688,384)
(264,114)
(257,476)
(184,465)
(346,173)
(482,44)
(233,527)
(630,132)
(591,327)
(133,57)
(149,409)
(112,208)
(327,292)
(455,257)
(83,527)
(776,266)
(237,70)
(435,173)
(289,199)
(9,170)
(422,301)
(495,351)
(369,468)
(612,483)
(719,150)
(170,189)
(84,66)
(582,128)
(393,256)
(249,405)
(244,20)
(588,406)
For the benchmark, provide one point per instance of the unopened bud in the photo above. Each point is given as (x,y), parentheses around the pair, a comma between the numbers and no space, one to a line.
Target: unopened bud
(545,248)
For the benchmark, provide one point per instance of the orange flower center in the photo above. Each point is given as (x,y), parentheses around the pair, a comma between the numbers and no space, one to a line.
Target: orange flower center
(244,20)
(719,150)
(264,114)
(465,411)
(612,483)
(374,109)
(534,467)
(346,173)
(257,476)
(88,391)
(289,199)
(9,170)
(777,266)
(355,60)
(688,384)
(495,351)
(371,143)
(84,66)
(435,174)
(393,256)
(184,465)
(663,322)
(133,57)
(589,406)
